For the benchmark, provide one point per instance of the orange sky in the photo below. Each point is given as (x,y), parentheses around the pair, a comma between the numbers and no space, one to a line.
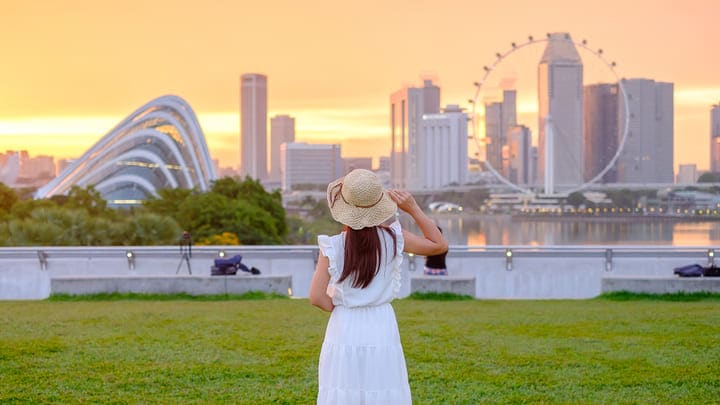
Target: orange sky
(71,70)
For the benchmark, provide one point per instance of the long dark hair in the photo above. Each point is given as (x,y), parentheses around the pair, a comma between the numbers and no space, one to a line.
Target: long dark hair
(363,251)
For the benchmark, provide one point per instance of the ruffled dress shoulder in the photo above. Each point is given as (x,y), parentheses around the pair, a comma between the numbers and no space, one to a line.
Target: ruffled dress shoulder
(386,285)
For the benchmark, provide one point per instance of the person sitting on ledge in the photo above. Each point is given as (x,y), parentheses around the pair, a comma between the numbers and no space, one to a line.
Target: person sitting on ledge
(435,265)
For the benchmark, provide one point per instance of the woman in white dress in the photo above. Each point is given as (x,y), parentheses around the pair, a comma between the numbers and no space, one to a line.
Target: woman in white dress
(357,276)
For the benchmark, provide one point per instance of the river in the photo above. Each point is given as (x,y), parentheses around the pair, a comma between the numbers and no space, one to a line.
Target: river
(477,230)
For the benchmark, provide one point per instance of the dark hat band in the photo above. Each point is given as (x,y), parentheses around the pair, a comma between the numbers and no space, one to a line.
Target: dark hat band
(333,198)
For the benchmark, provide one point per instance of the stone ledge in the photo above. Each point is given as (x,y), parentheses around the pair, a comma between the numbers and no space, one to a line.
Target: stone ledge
(450,284)
(192,285)
(661,285)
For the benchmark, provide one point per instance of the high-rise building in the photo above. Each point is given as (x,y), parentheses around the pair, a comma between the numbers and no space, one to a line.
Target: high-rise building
(353,163)
(494,140)
(253,126)
(601,130)
(499,118)
(62,164)
(445,137)
(282,130)
(534,165)
(647,155)
(309,165)
(519,155)
(384,164)
(687,174)
(20,170)
(560,100)
(407,107)
(715,138)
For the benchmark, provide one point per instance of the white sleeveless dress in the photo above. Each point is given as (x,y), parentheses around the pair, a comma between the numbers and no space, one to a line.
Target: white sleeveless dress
(362,360)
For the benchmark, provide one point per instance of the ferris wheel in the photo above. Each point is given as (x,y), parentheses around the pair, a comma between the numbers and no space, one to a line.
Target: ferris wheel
(561,71)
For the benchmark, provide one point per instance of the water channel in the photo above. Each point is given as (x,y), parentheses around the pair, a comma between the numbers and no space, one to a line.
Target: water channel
(478,230)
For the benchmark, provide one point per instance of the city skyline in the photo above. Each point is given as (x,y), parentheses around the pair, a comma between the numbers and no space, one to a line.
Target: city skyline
(77,70)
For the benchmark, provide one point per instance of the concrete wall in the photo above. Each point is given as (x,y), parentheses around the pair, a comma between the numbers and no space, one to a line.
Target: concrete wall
(192,285)
(534,272)
(661,285)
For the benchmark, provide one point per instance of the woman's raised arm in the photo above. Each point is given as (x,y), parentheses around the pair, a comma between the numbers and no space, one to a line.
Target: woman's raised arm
(432,242)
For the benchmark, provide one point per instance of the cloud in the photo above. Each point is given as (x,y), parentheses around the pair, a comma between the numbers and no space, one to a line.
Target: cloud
(697,96)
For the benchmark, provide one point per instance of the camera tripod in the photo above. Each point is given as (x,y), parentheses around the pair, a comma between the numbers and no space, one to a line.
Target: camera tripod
(186,258)
(185,252)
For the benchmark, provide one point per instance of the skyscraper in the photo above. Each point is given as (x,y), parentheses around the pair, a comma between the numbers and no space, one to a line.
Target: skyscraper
(560,100)
(519,147)
(601,130)
(253,126)
(282,130)
(445,135)
(499,118)
(647,155)
(715,138)
(407,107)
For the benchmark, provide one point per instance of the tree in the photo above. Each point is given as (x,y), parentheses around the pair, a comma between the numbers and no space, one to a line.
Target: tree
(87,199)
(8,198)
(168,201)
(709,177)
(147,228)
(622,198)
(243,208)
(576,199)
(251,191)
(24,208)
(225,238)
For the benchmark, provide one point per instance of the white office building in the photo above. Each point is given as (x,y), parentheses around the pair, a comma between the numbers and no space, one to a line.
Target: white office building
(407,107)
(560,101)
(309,166)
(647,155)
(253,126)
(445,142)
(282,130)
(687,174)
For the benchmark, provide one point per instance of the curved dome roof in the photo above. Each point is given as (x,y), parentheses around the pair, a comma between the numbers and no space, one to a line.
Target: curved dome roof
(160,145)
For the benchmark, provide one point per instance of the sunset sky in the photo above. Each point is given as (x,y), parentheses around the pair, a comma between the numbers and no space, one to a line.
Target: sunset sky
(71,70)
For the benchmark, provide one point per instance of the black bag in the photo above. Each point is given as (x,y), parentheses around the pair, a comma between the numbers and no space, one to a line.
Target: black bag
(692,270)
(711,271)
(230,267)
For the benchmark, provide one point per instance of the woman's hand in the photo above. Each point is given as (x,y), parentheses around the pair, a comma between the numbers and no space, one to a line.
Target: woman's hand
(432,242)
(404,200)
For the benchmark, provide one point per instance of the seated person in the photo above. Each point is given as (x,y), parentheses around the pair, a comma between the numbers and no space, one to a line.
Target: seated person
(435,265)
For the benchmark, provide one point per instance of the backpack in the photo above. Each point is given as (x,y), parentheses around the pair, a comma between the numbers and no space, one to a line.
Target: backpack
(691,270)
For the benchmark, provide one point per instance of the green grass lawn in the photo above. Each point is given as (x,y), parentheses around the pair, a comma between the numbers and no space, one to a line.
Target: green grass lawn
(265,351)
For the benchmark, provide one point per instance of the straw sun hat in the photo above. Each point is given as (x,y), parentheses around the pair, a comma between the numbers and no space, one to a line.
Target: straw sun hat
(359,201)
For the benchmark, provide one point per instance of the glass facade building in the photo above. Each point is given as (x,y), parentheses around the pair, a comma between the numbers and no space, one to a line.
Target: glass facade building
(160,145)
(407,107)
(560,104)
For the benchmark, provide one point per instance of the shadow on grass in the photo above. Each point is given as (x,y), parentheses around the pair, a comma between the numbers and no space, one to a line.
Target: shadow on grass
(251,295)
(680,297)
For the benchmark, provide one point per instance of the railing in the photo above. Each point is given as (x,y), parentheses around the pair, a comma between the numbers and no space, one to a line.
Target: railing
(499,271)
